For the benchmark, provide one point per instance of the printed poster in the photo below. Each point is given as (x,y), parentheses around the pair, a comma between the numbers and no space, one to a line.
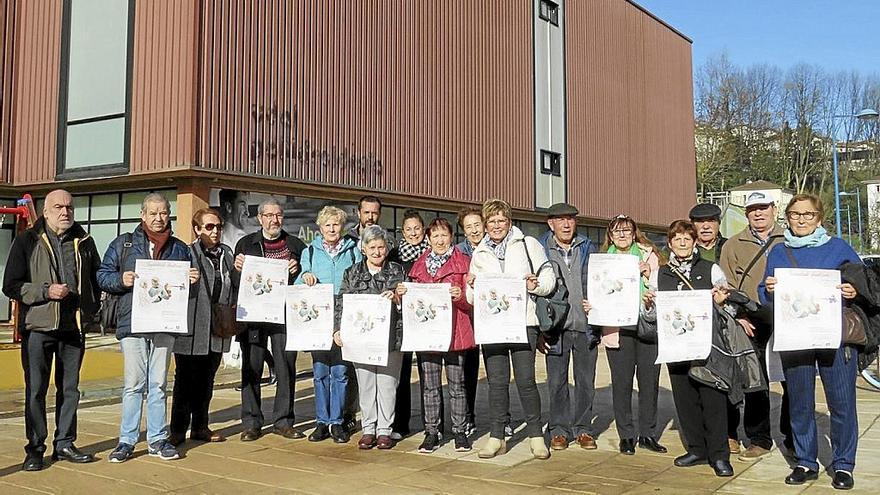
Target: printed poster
(427,317)
(613,289)
(807,311)
(310,317)
(365,327)
(500,302)
(160,296)
(261,292)
(684,325)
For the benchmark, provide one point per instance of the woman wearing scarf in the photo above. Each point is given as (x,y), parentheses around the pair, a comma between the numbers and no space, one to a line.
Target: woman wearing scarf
(443,263)
(413,245)
(505,249)
(701,409)
(628,355)
(808,245)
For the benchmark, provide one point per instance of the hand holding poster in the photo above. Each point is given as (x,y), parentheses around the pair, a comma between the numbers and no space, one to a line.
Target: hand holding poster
(365,327)
(310,317)
(427,317)
(160,296)
(613,289)
(500,309)
(807,312)
(261,292)
(684,325)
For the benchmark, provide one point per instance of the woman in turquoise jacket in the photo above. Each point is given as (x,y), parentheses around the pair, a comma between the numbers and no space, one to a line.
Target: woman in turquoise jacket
(325,261)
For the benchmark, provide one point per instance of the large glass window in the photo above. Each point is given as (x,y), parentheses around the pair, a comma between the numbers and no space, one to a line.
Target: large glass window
(106,216)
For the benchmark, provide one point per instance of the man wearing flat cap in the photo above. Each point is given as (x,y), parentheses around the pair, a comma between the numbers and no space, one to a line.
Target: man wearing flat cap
(706,218)
(568,253)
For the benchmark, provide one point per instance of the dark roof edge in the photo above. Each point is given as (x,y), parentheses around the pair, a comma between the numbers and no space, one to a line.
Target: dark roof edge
(661,21)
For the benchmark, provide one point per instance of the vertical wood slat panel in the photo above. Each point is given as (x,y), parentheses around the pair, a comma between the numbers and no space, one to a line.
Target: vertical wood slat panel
(6,23)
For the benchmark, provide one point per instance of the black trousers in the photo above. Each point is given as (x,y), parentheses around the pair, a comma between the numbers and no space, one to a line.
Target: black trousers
(634,358)
(756,413)
(253,355)
(702,414)
(471,377)
(193,390)
(573,348)
(498,359)
(403,402)
(38,351)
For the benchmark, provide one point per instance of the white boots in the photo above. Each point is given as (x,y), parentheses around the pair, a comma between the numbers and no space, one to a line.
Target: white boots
(539,448)
(493,447)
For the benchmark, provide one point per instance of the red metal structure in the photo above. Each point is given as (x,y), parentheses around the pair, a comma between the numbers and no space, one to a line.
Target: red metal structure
(25,216)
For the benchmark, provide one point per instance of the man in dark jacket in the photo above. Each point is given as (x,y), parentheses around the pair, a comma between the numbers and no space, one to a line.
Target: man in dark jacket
(270,242)
(51,272)
(706,218)
(146,356)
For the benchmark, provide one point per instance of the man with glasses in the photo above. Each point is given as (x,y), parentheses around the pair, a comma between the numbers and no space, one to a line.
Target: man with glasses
(706,218)
(271,241)
(743,260)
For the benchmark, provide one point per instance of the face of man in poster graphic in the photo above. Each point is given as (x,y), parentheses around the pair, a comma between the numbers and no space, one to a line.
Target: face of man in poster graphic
(236,210)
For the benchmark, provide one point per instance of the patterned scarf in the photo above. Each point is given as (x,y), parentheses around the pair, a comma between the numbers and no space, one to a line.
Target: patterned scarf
(499,248)
(333,250)
(411,252)
(682,266)
(434,261)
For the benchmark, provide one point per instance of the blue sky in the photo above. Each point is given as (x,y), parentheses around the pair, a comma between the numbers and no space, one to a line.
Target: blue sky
(836,35)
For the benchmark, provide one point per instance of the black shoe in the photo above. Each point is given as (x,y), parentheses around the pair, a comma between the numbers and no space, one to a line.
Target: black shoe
(627,446)
(289,432)
(722,468)
(339,435)
(801,475)
(321,433)
(430,443)
(251,434)
(842,480)
(651,444)
(688,460)
(72,454)
(33,462)
(350,424)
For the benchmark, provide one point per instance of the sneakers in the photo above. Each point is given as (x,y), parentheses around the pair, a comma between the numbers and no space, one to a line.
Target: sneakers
(753,453)
(430,443)
(163,450)
(396,436)
(508,431)
(121,453)
(470,428)
(462,442)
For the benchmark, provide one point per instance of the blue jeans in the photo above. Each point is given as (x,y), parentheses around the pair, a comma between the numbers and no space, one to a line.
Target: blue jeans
(331,384)
(146,373)
(838,375)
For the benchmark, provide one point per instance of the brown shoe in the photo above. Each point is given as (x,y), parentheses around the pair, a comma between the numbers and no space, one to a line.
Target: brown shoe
(733,445)
(250,434)
(558,442)
(207,436)
(753,453)
(289,432)
(586,441)
(384,442)
(177,439)
(367,442)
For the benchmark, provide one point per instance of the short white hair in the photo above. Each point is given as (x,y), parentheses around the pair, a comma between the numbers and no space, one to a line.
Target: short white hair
(375,232)
(155,198)
(331,212)
(268,202)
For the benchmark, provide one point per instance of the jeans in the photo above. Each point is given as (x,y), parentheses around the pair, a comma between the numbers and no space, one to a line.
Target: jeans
(498,359)
(146,362)
(574,349)
(331,384)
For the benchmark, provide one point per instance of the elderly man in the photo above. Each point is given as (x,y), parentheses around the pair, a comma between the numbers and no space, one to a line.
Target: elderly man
(743,260)
(145,355)
(569,253)
(271,241)
(51,273)
(706,218)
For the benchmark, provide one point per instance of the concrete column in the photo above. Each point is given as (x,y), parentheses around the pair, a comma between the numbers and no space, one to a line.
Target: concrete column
(191,196)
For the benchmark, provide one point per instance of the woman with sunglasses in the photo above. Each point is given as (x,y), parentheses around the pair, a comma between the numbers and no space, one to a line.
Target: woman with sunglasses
(628,355)
(808,245)
(197,354)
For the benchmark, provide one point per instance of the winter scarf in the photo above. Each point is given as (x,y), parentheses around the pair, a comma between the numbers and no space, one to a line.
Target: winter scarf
(411,252)
(157,239)
(817,238)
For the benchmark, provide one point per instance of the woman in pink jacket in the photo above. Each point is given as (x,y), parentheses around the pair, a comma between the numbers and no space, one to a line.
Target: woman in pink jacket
(444,263)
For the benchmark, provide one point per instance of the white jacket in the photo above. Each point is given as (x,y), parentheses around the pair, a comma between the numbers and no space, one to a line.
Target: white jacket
(515,262)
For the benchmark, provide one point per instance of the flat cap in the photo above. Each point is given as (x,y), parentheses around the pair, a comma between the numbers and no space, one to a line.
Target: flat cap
(705,210)
(562,210)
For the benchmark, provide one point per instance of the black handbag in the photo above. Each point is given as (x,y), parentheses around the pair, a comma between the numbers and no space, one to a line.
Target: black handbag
(646,331)
(551,310)
(223,322)
(110,302)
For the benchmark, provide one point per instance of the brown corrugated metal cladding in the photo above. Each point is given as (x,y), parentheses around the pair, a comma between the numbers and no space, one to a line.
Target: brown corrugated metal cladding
(6,20)
(630,113)
(429,98)
(34,113)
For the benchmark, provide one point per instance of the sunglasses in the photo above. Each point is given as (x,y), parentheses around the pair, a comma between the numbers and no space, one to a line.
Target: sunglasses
(212,226)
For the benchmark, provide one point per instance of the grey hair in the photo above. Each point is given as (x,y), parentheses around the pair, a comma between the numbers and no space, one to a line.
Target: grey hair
(155,198)
(268,202)
(375,232)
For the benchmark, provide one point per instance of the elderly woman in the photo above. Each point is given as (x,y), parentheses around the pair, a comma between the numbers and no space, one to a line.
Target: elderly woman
(441,264)
(325,261)
(197,355)
(470,221)
(627,354)
(377,385)
(701,409)
(808,245)
(505,249)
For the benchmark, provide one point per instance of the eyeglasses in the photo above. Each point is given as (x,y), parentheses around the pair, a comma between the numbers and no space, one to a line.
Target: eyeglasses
(622,232)
(212,226)
(277,216)
(797,215)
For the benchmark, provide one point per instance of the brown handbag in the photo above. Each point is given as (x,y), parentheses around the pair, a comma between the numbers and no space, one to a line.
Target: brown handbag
(853,328)
(223,322)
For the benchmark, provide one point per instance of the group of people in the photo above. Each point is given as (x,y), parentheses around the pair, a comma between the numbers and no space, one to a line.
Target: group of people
(57,275)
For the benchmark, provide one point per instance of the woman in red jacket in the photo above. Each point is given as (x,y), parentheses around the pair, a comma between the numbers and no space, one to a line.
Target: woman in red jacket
(444,263)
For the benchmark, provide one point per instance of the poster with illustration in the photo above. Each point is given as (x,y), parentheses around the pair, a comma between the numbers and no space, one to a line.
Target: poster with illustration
(310,317)
(261,291)
(500,309)
(807,312)
(684,325)
(365,327)
(160,296)
(427,317)
(613,289)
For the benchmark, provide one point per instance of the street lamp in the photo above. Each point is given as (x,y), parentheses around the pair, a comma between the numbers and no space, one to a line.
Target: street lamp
(865,114)
(858,196)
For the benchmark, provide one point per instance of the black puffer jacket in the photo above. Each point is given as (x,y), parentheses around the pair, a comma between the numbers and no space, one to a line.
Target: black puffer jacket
(867,305)
(358,280)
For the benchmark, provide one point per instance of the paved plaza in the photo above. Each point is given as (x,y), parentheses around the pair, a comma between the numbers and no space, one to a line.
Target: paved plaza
(274,464)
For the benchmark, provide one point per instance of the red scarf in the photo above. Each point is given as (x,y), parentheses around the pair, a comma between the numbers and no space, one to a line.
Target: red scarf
(158,239)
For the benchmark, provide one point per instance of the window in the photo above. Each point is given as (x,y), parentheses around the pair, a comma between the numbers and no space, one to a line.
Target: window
(94,103)
(549,11)
(551,163)
(106,216)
